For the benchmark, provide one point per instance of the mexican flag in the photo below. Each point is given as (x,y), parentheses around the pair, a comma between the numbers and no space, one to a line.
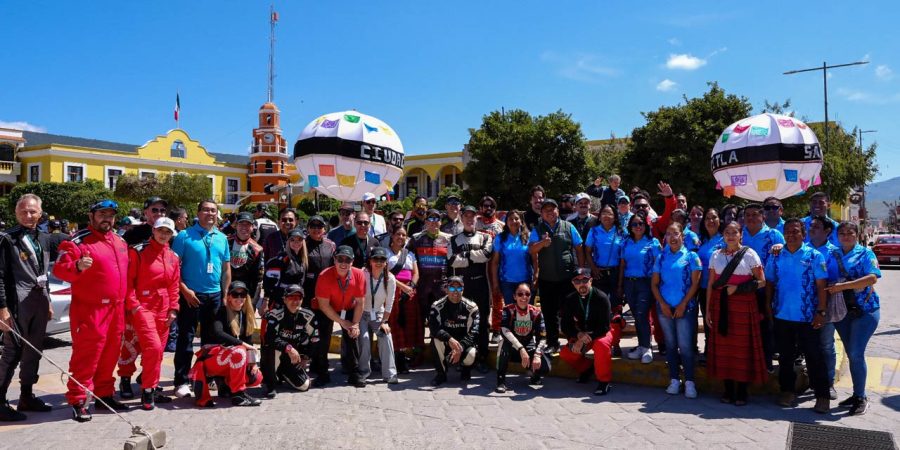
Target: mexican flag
(177,106)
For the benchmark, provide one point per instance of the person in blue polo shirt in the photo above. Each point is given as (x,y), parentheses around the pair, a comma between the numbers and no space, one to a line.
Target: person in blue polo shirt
(819,205)
(639,251)
(758,236)
(796,297)
(819,230)
(676,277)
(861,321)
(773,211)
(205,275)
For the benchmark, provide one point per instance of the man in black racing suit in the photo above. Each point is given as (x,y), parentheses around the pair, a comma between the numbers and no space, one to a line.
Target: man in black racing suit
(291,336)
(453,323)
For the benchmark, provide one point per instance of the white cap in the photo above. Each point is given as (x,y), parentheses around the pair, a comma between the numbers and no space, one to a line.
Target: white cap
(368,196)
(581,196)
(164,222)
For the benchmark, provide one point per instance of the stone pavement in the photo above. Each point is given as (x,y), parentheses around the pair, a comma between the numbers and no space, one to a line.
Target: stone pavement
(560,414)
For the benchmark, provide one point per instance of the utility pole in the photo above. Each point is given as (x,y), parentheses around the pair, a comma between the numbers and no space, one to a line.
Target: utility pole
(824,70)
(273,18)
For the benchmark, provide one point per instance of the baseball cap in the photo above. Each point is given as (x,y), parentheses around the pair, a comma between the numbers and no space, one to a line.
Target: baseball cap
(317,219)
(469,209)
(297,232)
(164,222)
(453,199)
(581,196)
(625,198)
(433,212)
(457,280)
(235,285)
(293,289)
(344,250)
(153,200)
(582,272)
(549,201)
(105,204)
(346,207)
(567,198)
(244,217)
(378,252)
(368,196)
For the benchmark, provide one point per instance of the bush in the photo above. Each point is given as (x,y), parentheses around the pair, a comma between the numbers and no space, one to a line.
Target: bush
(70,201)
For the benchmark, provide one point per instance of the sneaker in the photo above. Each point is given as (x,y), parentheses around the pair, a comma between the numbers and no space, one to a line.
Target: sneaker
(535,380)
(125,388)
(832,393)
(635,353)
(786,399)
(674,387)
(270,394)
(690,389)
(213,386)
(148,400)
(114,404)
(602,388)
(860,407)
(823,405)
(552,349)
(159,398)
(244,399)
(848,402)
(81,412)
(32,403)
(392,380)
(647,356)
(583,377)
(439,379)
(183,391)
(8,414)
(501,388)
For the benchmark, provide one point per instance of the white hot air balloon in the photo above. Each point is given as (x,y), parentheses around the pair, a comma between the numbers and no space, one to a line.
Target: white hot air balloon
(346,154)
(767,155)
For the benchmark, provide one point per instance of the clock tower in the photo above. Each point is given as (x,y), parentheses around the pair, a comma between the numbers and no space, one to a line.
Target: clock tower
(268,155)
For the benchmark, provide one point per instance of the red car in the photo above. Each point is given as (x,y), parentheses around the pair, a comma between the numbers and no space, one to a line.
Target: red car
(887,249)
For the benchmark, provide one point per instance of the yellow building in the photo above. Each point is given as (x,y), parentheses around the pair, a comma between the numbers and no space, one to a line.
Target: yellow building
(428,174)
(50,157)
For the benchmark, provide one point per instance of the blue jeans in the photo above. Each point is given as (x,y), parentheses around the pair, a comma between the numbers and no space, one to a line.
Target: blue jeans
(855,333)
(680,342)
(639,297)
(508,289)
(188,318)
(827,340)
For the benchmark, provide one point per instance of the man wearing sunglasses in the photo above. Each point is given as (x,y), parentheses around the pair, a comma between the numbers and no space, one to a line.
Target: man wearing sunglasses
(362,242)
(452,223)
(378,226)
(773,211)
(95,262)
(320,255)
(659,224)
(346,214)
(486,221)
(431,248)
(154,208)
(340,293)
(453,323)
(275,242)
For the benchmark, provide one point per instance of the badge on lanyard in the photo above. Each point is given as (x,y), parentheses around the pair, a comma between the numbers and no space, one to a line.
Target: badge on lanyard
(209,267)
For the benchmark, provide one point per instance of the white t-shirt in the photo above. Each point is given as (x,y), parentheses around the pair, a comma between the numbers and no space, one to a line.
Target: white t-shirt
(719,260)
(394,257)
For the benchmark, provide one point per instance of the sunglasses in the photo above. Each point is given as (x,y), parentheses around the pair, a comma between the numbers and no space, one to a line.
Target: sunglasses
(771,207)
(455,289)
(523,294)
(343,259)
(642,206)
(581,280)
(370,201)
(433,219)
(316,227)
(158,210)
(364,223)
(397,219)
(238,293)
(105,204)
(488,205)
(637,224)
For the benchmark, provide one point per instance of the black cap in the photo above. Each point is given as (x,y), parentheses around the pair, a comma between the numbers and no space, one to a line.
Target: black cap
(297,232)
(582,272)
(244,217)
(549,201)
(294,289)
(153,200)
(567,198)
(344,250)
(318,219)
(453,198)
(432,212)
(469,208)
(235,285)
(454,279)
(378,252)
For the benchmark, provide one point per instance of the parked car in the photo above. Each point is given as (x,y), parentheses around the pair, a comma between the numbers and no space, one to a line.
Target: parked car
(887,249)
(60,301)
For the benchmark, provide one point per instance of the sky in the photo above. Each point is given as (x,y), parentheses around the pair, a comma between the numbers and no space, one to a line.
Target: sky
(110,70)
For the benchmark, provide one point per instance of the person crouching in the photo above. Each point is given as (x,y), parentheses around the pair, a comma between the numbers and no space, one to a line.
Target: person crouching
(291,335)
(453,323)
(524,339)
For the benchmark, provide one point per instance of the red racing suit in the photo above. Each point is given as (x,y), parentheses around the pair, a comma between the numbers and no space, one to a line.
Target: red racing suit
(154,274)
(97,316)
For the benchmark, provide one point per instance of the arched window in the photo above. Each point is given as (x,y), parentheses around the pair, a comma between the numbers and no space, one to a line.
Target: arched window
(268,166)
(282,167)
(178,149)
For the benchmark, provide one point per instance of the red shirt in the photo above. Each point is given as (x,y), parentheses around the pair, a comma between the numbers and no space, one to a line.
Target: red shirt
(340,292)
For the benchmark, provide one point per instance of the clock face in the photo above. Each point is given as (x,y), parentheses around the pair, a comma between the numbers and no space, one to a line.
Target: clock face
(269,138)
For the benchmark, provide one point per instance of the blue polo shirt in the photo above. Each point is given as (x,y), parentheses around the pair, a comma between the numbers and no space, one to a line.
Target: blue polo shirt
(515,262)
(639,256)
(707,248)
(833,238)
(762,241)
(691,241)
(830,253)
(624,219)
(795,275)
(675,270)
(859,262)
(197,249)
(780,226)
(606,246)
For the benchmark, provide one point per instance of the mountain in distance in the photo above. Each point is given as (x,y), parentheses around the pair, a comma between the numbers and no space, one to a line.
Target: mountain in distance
(878,193)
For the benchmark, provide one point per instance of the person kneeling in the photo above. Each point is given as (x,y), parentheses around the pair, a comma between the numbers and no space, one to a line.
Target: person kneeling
(291,335)
(229,354)
(524,339)
(585,322)
(453,323)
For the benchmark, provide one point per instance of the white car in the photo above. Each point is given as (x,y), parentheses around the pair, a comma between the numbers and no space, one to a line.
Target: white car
(60,301)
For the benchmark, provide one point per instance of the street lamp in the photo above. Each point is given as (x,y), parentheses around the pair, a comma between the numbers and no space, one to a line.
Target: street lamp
(824,70)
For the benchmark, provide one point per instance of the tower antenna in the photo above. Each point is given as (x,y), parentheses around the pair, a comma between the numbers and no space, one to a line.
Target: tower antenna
(273,19)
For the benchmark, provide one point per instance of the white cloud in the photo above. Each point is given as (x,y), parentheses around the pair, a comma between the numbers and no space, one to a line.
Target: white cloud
(855,95)
(675,41)
(884,72)
(666,85)
(581,67)
(24,126)
(685,61)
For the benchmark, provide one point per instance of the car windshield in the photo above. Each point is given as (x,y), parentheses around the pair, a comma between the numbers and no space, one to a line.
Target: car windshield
(888,240)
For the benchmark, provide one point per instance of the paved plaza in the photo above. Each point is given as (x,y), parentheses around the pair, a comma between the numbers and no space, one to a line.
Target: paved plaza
(561,414)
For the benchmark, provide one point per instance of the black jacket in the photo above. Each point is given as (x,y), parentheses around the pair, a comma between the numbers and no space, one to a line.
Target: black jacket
(20,268)
(299,330)
(219,332)
(572,316)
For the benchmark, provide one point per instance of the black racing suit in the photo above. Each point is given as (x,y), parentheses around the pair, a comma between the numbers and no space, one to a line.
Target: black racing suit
(320,255)
(469,254)
(246,263)
(282,271)
(288,330)
(522,329)
(453,320)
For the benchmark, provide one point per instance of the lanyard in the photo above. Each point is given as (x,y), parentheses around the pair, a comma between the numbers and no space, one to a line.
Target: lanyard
(343,286)
(586,306)
(374,287)
(363,247)
(207,239)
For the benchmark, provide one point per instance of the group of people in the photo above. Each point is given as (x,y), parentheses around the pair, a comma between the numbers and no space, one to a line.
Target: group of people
(766,288)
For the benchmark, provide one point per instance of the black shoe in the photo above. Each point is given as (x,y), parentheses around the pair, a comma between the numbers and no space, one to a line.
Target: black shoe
(535,380)
(159,398)
(602,388)
(482,367)
(125,388)
(244,399)
(400,360)
(148,402)
(860,408)
(32,403)
(321,380)
(617,351)
(223,390)
(465,373)
(501,388)
(114,404)
(81,413)
(8,414)
(357,382)
(270,394)
(583,377)
(848,402)
(439,380)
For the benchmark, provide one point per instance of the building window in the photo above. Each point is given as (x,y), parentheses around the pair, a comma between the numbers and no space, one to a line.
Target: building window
(147,173)
(74,172)
(282,167)
(412,186)
(268,166)
(232,185)
(34,173)
(178,149)
(112,175)
(212,187)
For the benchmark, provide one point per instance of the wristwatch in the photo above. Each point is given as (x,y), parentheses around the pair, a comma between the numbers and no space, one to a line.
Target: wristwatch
(821,312)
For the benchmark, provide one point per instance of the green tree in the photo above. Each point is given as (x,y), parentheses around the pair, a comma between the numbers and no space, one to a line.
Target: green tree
(777,107)
(70,201)
(676,142)
(181,190)
(447,191)
(513,151)
(606,158)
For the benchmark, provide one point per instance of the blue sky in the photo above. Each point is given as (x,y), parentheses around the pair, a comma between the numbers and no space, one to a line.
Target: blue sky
(110,70)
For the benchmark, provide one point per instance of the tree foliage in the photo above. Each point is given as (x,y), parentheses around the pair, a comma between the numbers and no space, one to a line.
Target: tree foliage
(513,151)
(181,190)
(607,157)
(447,191)
(63,200)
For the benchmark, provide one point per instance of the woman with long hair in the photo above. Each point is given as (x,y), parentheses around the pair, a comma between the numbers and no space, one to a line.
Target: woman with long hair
(639,251)
(405,320)
(287,268)
(511,264)
(379,302)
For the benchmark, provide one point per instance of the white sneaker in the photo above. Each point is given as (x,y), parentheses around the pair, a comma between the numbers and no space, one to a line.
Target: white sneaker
(183,391)
(647,356)
(690,389)
(674,387)
(636,353)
